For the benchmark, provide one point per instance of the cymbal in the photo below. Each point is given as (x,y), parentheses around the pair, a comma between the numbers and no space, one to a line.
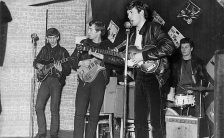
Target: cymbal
(201,88)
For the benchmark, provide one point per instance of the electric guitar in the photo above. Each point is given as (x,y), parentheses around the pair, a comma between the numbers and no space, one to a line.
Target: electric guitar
(88,73)
(149,66)
(47,68)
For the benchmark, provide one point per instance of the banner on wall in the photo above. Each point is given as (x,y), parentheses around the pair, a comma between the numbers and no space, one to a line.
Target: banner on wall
(175,35)
(190,12)
(113,30)
(157,18)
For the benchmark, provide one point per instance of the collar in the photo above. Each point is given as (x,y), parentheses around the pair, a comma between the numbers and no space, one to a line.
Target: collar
(144,28)
(49,46)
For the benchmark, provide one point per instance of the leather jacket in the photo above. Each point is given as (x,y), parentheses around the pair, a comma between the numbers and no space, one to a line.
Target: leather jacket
(199,72)
(57,53)
(152,34)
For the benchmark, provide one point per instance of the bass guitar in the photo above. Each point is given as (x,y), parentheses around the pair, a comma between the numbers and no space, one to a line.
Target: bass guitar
(88,73)
(47,68)
(149,66)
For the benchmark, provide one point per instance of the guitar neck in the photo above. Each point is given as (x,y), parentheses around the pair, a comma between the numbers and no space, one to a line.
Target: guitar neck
(63,60)
(102,51)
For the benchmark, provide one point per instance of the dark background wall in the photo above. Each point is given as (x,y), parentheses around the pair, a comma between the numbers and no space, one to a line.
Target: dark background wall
(207,31)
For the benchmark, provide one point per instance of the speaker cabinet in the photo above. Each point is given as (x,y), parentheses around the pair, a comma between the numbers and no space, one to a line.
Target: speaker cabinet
(119,102)
(182,127)
(110,96)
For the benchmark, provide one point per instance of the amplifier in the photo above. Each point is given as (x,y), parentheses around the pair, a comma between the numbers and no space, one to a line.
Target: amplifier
(182,127)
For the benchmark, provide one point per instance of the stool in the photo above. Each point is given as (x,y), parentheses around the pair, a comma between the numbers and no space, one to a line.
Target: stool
(104,118)
(130,129)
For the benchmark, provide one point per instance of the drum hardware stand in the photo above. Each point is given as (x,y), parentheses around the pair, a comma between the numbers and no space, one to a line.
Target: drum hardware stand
(200,116)
(188,110)
(181,110)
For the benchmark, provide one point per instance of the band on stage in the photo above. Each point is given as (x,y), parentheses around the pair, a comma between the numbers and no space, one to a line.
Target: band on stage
(168,80)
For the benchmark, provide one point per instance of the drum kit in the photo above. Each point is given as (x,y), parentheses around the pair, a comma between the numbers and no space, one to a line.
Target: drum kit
(186,100)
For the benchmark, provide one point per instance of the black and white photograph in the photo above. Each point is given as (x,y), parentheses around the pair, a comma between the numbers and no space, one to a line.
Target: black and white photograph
(111,68)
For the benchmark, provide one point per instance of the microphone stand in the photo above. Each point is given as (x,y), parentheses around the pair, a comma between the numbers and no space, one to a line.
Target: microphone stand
(33,85)
(125,85)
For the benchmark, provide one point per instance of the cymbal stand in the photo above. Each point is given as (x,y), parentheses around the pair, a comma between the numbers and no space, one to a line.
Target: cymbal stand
(200,98)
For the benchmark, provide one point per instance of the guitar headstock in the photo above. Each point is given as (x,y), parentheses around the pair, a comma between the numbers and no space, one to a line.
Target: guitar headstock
(79,47)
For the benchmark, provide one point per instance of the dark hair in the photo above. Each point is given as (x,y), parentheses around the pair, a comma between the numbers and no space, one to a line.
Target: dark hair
(52,32)
(187,40)
(139,5)
(99,26)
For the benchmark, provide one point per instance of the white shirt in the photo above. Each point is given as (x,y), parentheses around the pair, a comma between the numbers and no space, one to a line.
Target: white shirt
(138,40)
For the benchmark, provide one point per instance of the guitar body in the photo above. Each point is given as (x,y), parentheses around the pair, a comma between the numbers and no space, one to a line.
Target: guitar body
(42,74)
(148,66)
(90,72)
(47,68)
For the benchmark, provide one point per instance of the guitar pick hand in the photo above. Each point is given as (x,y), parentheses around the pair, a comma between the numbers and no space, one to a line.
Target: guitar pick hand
(114,49)
(84,63)
(137,57)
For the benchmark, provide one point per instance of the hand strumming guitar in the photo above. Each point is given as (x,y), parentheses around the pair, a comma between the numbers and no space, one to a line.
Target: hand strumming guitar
(84,63)
(39,68)
(135,59)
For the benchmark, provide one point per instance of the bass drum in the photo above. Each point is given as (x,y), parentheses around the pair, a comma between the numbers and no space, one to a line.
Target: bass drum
(171,112)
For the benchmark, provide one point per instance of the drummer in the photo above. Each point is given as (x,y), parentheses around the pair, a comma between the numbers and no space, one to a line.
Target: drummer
(187,71)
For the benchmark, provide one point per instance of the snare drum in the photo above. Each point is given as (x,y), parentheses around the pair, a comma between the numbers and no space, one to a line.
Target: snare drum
(184,99)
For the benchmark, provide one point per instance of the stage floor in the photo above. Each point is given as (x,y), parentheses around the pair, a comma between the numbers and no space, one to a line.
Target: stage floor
(69,134)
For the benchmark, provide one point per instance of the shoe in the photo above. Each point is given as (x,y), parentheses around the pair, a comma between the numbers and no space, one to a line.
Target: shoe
(40,136)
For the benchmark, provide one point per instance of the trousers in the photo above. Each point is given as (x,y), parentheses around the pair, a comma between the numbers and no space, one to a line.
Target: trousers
(89,95)
(49,88)
(148,101)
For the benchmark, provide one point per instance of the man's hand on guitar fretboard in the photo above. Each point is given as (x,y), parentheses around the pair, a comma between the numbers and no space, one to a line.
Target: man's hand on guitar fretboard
(114,49)
(58,66)
(97,55)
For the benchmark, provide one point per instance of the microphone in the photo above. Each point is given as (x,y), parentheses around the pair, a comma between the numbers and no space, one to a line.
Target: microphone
(127,25)
(34,37)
